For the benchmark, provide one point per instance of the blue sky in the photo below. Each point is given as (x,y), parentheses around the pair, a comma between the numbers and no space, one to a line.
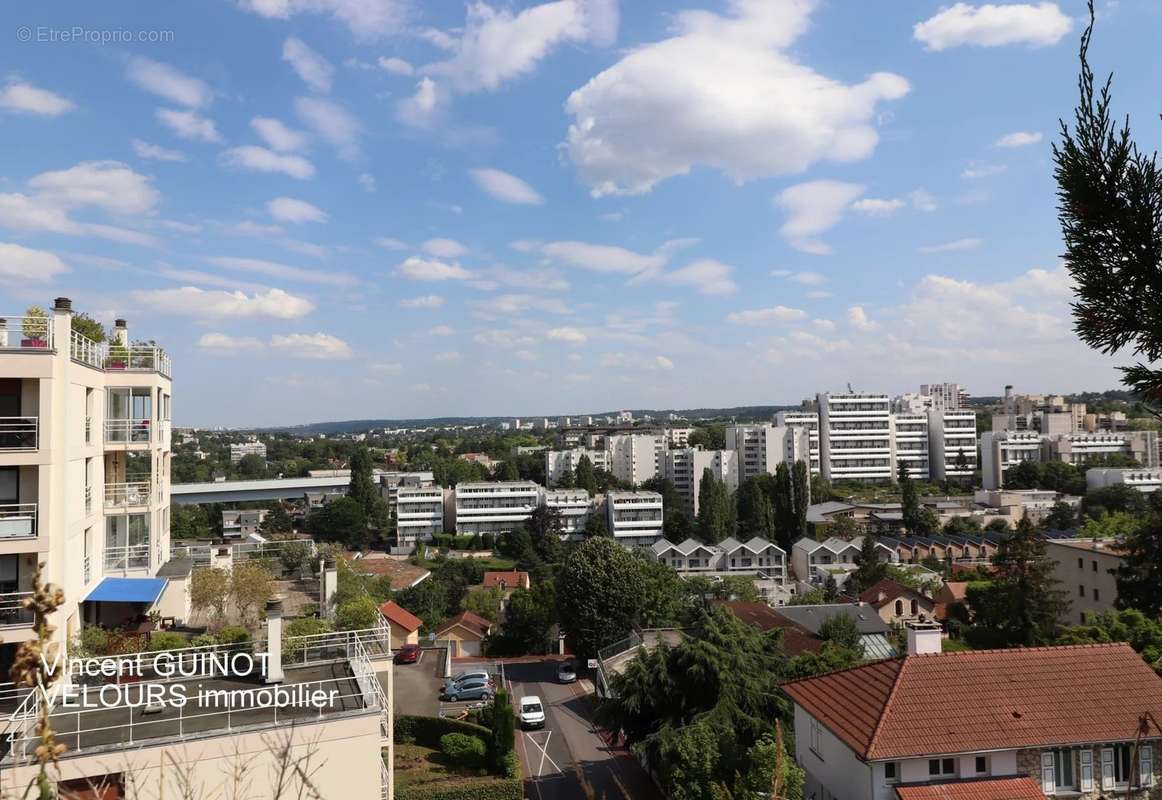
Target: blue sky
(331,209)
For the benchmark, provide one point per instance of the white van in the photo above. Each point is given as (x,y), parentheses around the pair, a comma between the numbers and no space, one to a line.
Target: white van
(532,712)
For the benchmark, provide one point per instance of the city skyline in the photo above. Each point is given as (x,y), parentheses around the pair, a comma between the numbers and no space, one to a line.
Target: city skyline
(379,210)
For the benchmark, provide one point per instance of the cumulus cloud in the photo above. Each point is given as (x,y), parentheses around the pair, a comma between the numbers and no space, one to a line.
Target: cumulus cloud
(367,181)
(992,25)
(858,319)
(425,107)
(225,344)
(277,135)
(444,248)
(110,185)
(766,316)
(812,208)
(25,265)
(189,125)
(663,363)
(168,83)
(316,346)
(1018,139)
(505,187)
(191,301)
(424,301)
(332,123)
(733,99)
(289,209)
(366,19)
(387,243)
(316,71)
(510,304)
(420,269)
(441,330)
(156,152)
(276,270)
(19,97)
(567,335)
(876,207)
(602,257)
(983,170)
(968,243)
(706,275)
(259,159)
(396,66)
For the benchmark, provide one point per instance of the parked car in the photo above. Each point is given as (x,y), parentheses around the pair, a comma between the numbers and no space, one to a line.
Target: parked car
(566,672)
(408,654)
(532,712)
(470,689)
(460,677)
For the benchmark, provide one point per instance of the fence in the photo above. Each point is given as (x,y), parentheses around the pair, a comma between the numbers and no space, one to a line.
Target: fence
(19,433)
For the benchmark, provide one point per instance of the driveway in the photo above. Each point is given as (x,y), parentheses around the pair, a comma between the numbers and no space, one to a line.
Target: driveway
(568,750)
(417,686)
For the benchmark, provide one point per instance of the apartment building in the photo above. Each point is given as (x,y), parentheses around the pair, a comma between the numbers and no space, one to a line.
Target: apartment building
(1020,724)
(419,513)
(1144,480)
(910,439)
(808,422)
(946,396)
(677,437)
(574,506)
(239,450)
(728,557)
(813,560)
(855,437)
(762,447)
(240,523)
(635,458)
(952,444)
(84,469)
(558,462)
(1002,450)
(685,468)
(634,518)
(494,506)
(391,482)
(1086,569)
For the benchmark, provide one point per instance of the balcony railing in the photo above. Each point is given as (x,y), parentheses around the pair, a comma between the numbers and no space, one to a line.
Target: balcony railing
(19,433)
(12,610)
(121,495)
(128,431)
(26,333)
(88,500)
(88,569)
(106,356)
(17,520)
(135,556)
(85,350)
(88,430)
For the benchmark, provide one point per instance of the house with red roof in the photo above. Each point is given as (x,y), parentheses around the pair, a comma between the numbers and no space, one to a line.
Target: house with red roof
(405,626)
(507,581)
(1023,724)
(897,604)
(464,634)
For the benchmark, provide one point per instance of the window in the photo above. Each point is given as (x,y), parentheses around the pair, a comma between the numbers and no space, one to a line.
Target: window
(982,765)
(1081,563)
(1095,566)
(1096,595)
(1063,775)
(1081,591)
(942,766)
(892,772)
(1122,764)
(915,608)
(817,738)
(899,608)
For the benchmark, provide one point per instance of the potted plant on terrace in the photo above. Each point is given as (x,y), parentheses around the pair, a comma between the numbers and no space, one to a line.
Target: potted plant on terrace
(118,357)
(35,327)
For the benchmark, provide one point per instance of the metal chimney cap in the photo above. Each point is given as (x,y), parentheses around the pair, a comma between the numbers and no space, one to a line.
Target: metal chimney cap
(329,562)
(62,304)
(120,323)
(274,605)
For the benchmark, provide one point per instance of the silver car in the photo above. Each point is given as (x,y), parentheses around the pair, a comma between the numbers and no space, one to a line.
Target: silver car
(460,677)
(566,672)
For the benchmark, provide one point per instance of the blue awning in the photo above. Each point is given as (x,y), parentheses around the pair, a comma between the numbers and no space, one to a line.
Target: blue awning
(127,590)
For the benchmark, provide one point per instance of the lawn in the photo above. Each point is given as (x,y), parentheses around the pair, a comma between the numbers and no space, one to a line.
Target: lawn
(418,767)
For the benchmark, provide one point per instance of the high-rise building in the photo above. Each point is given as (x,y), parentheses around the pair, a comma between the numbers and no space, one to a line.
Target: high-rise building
(419,513)
(855,437)
(558,462)
(635,458)
(910,443)
(634,518)
(239,450)
(494,506)
(808,423)
(684,468)
(762,447)
(952,444)
(574,506)
(946,396)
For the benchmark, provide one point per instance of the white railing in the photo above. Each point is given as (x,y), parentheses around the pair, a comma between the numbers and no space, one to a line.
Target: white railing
(88,500)
(88,569)
(134,556)
(128,431)
(12,610)
(88,430)
(25,333)
(17,520)
(120,495)
(85,350)
(19,433)
(106,356)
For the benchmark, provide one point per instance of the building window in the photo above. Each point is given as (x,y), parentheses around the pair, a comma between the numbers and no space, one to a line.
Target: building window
(1081,590)
(982,765)
(1096,595)
(1063,774)
(892,772)
(941,766)
(1122,764)
(817,738)
(1081,563)
(1095,566)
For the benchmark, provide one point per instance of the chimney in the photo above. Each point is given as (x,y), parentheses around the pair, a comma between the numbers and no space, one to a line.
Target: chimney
(274,673)
(924,638)
(120,333)
(222,557)
(328,583)
(62,304)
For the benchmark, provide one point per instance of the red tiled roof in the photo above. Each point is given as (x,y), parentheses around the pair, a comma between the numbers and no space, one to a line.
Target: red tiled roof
(955,589)
(765,618)
(398,615)
(1003,699)
(509,580)
(402,574)
(890,589)
(994,789)
(466,619)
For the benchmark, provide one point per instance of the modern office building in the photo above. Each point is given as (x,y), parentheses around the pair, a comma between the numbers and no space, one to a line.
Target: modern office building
(1142,479)
(574,506)
(685,468)
(952,444)
(558,462)
(419,513)
(855,437)
(634,518)
(1001,450)
(910,441)
(635,458)
(239,450)
(494,506)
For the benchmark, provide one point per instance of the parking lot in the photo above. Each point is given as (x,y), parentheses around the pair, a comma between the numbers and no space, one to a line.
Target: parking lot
(417,686)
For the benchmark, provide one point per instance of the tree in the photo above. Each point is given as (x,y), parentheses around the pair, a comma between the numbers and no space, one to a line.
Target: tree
(528,618)
(842,630)
(1139,576)
(362,489)
(1061,517)
(503,726)
(566,479)
(1022,604)
(710,437)
(755,514)
(676,523)
(586,478)
(342,520)
(484,602)
(358,613)
(88,327)
(1110,210)
(545,528)
(428,600)
(783,506)
(1115,498)
(1109,526)
(188,522)
(801,497)
(598,598)
(252,466)
(1128,625)
(209,590)
(909,502)
(870,567)
(596,526)
(276,521)
(507,471)
(962,526)
(297,556)
(713,509)
(251,585)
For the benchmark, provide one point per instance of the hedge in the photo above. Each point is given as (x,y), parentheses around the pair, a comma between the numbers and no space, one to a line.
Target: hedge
(426,731)
(501,789)
(463,750)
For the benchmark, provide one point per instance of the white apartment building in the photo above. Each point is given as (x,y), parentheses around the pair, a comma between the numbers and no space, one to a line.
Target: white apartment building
(635,458)
(684,468)
(574,506)
(239,450)
(803,421)
(677,437)
(419,513)
(946,396)
(762,447)
(1000,450)
(84,470)
(494,506)
(910,439)
(951,436)
(855,437)
(634,518)
(1144,480)
(558,462)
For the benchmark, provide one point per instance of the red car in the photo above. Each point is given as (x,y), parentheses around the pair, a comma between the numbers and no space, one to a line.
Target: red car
(408,654)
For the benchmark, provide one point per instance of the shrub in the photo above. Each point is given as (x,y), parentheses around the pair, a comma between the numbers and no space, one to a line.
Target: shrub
(512,765)
(486,541)
(233,634)
(426,731)
(503,723)
(167,640)
(203,640)
(463,750)
(357,614)
(506,789)
(303,626)
(94,641)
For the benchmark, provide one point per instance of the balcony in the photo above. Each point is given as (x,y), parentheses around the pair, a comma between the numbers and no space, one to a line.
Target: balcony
(17,521)
(121,358)
(135,556)
(19,434)
(13,614)
(128,431)
(124,495)
(26,334)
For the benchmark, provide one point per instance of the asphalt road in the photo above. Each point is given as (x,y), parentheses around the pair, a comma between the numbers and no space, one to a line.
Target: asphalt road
(568,751)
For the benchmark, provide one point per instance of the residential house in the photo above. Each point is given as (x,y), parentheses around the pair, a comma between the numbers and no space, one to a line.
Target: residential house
(1087,571)
(875,634)
(240,523)
(507,581)
(464,634)
(405,626)
(897,603)
(812,560)
(951,595)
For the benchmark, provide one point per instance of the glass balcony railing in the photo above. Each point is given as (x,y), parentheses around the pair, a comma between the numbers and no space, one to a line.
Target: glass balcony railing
(128,431)
(121,495)
(135,556)
(12,611)
(25,333)
(17,520)
(19,433)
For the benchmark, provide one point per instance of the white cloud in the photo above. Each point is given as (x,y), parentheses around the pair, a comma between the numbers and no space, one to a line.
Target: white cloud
(567,335)
(19,97)
(305,248)
(448,355)
(288,209)
(419,269)
(858,319)
(23,213)
(332,123)
(225,344)
(1018,139)
(807,278)
(367,181)
(441,330)
(812,208)
(444,248)
(425,301)
(992,25)
(876,207)
(25,265)
(543,280)
(503,338)
(819,294)
(386,368)
(602,257)
(766,316)
(526,355)
(921,200)
(251,228)
(275,270)
(168,83)
(510,304)
(387,243)
(425,107)
(505,187)
(156,152)
(825,325)
(316,71)
(259,159)
(663,362)
(706,275)
(189,125)
(732,98)
(277,135)
(983,170)
(366,19)
(396,66)
(191,301)
(110,185)
(968,243)
(315,346)
(498,46)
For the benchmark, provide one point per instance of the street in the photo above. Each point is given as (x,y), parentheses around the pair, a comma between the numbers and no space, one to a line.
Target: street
(568,749)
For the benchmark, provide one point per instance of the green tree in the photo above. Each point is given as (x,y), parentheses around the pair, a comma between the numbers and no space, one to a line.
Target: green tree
(1127,625)
(586,478)
(801,497)
(909,502)
(362,489)
(962,526)
(566,479)
(842,630)
(358,613)
(341,520)
(870,566)
(529,617)
(598,598)
(484,601)
(251,585)
(710,437)
(210,591)
(1061,517)
(251,466)
(188,522)
(713,509)
(596,526)
(428,600)
(783,506)
(503,725)
(1115,498)
(676,523)
(507,471)
(297,556)
(89,327)
(1109,526)
(756,516)
(1139,576)
(276,521)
